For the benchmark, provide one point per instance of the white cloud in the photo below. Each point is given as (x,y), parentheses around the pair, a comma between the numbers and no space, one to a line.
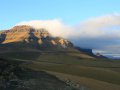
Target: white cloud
(96,33)
(101,34)
(91,28)
(55,27)
(99,26)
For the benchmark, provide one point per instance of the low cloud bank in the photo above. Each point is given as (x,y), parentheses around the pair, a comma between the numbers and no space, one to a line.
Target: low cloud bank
(100,33)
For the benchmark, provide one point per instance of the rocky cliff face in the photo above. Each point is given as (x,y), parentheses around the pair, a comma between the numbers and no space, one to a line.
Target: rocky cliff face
(30,37)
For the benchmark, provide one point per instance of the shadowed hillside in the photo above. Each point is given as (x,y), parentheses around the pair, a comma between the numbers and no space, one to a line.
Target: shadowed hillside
(13,76)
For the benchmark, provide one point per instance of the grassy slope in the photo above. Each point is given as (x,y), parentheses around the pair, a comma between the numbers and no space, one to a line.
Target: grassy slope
(84,71)
(95,74)
(15,77)
(102,72)
(92,84)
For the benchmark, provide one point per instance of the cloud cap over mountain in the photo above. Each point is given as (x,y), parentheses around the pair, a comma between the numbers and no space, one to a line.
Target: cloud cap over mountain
(99,33)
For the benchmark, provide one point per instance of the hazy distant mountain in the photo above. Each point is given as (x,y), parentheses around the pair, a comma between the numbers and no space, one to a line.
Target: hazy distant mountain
(89,52)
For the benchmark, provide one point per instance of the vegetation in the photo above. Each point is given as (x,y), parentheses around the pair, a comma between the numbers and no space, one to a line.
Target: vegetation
(92,74)
(13,76)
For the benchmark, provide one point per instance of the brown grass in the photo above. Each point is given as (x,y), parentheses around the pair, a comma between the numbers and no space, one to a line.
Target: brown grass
(92,84)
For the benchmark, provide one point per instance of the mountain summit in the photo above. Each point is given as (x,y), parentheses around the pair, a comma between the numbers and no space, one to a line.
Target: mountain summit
(31,37)
(26,38)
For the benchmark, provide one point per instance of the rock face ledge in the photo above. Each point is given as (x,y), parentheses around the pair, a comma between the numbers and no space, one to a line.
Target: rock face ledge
(31,37)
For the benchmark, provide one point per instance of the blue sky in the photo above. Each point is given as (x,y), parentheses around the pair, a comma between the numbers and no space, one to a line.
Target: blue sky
(70,11)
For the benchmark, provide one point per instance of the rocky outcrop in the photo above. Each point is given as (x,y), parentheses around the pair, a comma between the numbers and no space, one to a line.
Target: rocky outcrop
(26,35)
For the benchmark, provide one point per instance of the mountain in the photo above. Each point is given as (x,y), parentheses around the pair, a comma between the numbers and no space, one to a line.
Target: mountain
(26,38)
(89,52)
(98,55)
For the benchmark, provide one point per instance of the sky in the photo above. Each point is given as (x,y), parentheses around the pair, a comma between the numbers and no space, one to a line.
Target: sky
(88,23)
(70,11)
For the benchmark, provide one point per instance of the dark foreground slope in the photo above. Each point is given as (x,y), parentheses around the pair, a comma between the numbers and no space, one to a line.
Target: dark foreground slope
(13,76)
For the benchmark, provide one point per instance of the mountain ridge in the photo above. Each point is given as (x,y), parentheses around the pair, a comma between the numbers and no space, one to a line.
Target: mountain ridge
(27,34)
(25,38)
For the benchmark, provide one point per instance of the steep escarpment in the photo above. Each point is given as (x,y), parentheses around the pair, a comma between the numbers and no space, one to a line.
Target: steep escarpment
(26,36)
